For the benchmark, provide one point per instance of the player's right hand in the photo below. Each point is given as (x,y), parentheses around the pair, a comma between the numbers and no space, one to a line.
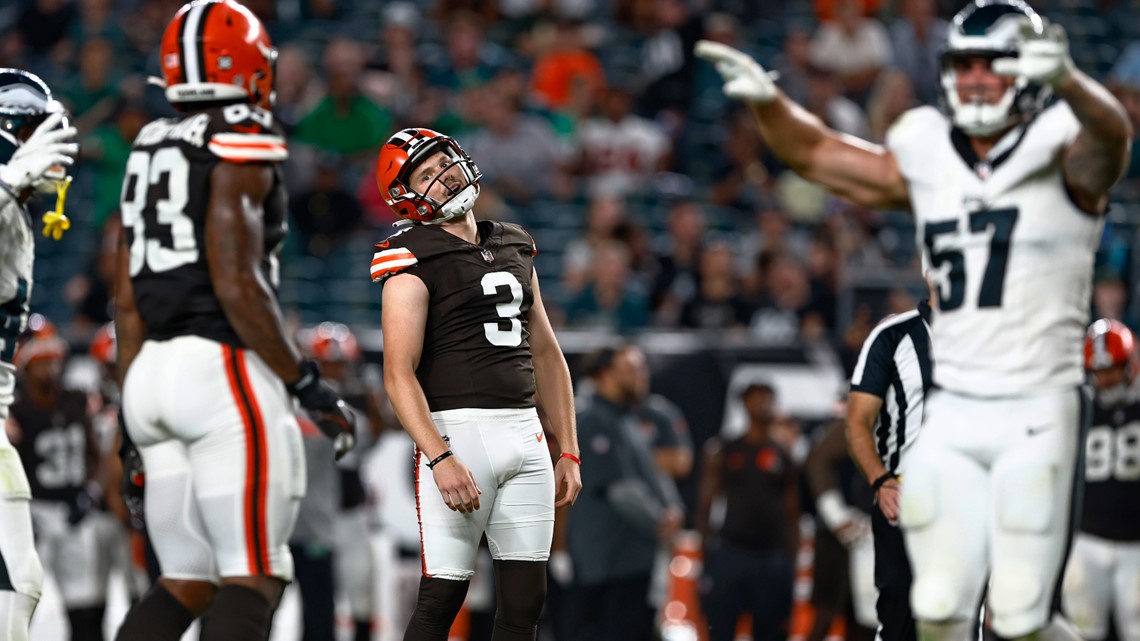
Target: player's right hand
(744,78)
(456,485)
(325,407)
(48,147)
(854,530)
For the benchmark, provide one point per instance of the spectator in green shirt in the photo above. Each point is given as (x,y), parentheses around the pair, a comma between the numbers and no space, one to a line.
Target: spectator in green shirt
(344,121)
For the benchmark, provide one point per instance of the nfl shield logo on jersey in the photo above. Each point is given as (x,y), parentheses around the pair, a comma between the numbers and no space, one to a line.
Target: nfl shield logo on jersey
(487,255)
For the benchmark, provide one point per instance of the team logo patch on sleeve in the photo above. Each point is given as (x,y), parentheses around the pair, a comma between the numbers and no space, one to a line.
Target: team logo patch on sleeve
(389,261)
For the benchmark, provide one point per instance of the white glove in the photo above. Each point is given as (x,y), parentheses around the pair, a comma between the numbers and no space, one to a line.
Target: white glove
(744,78)
(1043,55)
(50,147)
(848,524)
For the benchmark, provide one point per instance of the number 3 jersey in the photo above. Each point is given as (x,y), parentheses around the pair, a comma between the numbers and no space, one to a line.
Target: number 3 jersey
(1010,255)
(166,197)
(475,352)
(1112,473)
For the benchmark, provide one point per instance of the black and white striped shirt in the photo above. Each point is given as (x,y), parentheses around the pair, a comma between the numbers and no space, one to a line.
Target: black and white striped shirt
(895,365)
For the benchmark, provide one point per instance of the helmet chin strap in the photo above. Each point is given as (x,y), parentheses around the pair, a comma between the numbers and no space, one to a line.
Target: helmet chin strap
(457,205)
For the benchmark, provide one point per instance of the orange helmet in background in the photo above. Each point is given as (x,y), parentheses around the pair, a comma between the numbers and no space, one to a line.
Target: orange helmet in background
(40,340)
(217,50)
(104,348)
(403,152)
(1109,343)
(331,342)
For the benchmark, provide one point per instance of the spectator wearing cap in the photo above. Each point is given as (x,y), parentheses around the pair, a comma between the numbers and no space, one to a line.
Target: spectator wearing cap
(749,554)
(624,511)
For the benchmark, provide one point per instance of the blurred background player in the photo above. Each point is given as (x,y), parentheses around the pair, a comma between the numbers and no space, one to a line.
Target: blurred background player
(129,549)
(334,516)
(1102,582)
(1008,190)
(35,149)
(209,372)
(467,348)
(843,583)
(52,429)
(749,556)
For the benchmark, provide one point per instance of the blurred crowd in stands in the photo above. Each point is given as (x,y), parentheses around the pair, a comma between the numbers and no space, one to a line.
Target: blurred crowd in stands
(652,199)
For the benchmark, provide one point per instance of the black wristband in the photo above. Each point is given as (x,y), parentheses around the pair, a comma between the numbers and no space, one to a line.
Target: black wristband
(878,484)
(432,463)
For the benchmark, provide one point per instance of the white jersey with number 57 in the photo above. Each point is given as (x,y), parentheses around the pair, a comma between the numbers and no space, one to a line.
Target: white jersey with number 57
(1009,253)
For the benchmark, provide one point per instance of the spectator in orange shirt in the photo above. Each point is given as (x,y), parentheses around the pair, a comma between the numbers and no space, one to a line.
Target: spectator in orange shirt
(565,63)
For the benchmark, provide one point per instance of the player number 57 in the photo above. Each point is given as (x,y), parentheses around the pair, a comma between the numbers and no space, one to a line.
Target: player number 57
(993,280)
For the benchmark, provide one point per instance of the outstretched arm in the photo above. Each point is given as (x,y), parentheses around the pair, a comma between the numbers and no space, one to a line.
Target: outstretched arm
(1099,155)
(858,170)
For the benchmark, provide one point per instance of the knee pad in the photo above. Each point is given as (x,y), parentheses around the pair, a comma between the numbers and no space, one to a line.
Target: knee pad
(437,604)
(1016,600)
(940,597)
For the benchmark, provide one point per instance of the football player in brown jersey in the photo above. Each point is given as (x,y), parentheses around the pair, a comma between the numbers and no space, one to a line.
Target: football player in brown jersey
(209,372)
(467,349)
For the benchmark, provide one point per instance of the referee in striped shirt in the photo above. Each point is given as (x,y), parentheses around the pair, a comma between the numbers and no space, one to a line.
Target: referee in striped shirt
(884,413)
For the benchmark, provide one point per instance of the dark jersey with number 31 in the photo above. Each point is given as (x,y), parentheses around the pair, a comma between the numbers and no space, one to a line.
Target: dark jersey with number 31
(166,194)
(475,352)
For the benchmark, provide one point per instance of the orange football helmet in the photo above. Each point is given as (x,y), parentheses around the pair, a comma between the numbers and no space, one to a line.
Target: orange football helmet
(403,152)
(104,348)
(331,342)
(1109,343)
(217,50)
(40,340)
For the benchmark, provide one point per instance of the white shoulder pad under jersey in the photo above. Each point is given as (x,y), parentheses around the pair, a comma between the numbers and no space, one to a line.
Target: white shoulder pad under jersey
(1010,254)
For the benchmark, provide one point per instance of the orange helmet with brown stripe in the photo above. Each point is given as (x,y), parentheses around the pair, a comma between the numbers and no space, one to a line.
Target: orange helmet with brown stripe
(1112,359)
(405,151)
(217,51)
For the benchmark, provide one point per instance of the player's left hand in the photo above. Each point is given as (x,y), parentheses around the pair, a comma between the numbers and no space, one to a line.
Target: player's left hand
(1043,56)
(567,482)
(325,408)
(888,499)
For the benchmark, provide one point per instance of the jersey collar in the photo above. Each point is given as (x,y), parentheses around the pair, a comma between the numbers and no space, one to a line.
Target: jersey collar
(985,167)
